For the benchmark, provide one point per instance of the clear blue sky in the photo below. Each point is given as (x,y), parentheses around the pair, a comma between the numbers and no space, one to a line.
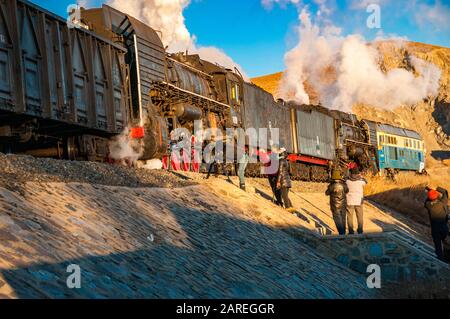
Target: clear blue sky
(257,37)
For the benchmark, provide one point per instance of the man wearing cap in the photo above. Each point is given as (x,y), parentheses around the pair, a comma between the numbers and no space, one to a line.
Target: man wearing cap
(355,196)
(284,179)
(271,163)
(437,207)
(337,191)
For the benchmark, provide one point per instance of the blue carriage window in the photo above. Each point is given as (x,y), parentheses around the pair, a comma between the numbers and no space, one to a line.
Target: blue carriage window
(393,153)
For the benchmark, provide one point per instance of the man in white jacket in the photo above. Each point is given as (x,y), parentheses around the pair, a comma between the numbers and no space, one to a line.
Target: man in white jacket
(355,197)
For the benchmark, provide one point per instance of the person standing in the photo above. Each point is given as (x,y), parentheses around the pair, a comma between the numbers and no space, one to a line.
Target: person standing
(220,162)
(284,180)
(355,197)
(270,163)
(337,190)
(242,165)
(437,207)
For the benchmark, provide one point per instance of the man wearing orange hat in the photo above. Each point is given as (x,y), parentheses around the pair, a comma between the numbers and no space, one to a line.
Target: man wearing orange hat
(437,206)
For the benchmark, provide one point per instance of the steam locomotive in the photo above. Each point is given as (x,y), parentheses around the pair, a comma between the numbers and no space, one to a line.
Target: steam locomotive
(65,91)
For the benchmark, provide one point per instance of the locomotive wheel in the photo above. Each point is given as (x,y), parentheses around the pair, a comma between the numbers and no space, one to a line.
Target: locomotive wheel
(6,148)
(72,151)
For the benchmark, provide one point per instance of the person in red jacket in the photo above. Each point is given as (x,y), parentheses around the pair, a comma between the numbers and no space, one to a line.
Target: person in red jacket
(437,207)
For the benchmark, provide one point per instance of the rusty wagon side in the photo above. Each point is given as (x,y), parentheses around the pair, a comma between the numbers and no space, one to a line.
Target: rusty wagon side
(61,88)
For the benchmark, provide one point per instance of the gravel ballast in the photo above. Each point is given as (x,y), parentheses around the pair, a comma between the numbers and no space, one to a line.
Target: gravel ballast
(17,169)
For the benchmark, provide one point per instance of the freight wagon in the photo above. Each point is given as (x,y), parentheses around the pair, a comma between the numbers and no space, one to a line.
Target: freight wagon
(63,91)
(306,132)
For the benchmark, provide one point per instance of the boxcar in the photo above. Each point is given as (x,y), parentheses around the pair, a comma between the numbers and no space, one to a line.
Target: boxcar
(57,81)
(262,112)
(314,133)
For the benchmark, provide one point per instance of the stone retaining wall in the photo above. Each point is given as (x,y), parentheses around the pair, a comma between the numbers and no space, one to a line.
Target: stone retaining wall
(400,259)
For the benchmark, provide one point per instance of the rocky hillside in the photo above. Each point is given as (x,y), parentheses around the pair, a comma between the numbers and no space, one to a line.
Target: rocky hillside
(431,118)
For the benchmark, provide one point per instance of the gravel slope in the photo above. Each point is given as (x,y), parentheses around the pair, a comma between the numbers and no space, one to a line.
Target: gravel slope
(18,169)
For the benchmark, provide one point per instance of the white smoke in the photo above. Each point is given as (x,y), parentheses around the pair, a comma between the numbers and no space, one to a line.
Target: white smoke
(167,17)
(124,149)
(162,15)
(345,71)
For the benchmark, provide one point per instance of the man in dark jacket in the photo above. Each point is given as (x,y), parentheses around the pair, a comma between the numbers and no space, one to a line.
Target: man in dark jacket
(272,175)
(437,206)
(284,180)
(337,191)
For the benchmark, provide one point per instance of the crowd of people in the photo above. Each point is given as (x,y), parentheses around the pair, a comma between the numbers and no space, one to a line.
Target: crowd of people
(347,199)
(346,195)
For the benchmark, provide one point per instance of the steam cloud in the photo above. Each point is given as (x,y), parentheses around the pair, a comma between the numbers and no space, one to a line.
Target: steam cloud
(344,71)
(123,148)
(167,16)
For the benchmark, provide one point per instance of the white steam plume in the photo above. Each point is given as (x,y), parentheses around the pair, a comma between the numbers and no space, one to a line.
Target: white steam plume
(123,148)
(167,16)
(345,71)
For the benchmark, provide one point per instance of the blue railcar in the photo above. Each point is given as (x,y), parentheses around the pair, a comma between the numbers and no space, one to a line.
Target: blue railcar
(398,149)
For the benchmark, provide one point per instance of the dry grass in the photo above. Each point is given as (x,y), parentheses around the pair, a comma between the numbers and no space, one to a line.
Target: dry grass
(406,194)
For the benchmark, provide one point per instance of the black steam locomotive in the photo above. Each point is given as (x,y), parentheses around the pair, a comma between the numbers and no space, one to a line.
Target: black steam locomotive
(65,91)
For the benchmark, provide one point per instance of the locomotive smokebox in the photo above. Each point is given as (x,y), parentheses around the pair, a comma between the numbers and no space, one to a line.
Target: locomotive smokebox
(188,112)
(355,151)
